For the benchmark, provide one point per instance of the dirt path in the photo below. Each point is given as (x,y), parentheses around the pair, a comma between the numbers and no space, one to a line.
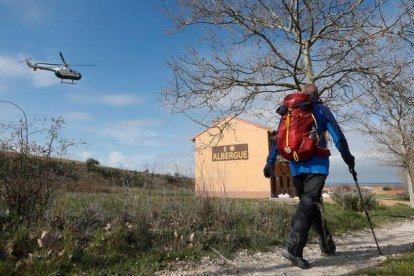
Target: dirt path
(353,253)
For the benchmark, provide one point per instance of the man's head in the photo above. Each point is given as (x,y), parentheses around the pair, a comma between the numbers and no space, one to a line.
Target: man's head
(311,90)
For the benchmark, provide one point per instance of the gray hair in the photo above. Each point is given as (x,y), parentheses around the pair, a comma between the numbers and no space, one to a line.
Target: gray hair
(311,90)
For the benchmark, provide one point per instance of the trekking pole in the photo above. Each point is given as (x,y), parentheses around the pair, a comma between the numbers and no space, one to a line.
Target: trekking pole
(354,174)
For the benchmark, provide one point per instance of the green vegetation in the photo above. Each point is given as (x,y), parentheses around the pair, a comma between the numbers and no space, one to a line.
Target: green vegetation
(91,163)
(400,265)
(349,199)
(139,231)
(403,196)
(381,196)
(342,221)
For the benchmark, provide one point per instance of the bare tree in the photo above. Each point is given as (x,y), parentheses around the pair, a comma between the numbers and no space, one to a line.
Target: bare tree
(31,167)
(256,48)
(387,116)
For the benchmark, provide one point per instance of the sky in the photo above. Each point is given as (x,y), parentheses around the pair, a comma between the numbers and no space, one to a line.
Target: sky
(116,107)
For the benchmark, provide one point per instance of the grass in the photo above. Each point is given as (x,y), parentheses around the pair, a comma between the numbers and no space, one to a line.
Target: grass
(387,196)
(140,231)
(349,198)
(342,221)
(400,265)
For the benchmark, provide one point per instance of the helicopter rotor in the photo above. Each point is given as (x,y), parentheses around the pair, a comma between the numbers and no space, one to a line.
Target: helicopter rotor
(66,65)
(63,59)
(44,63)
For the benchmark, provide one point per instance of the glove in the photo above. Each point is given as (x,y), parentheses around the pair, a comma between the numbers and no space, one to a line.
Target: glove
(269,170)
(350,161)
(351,165)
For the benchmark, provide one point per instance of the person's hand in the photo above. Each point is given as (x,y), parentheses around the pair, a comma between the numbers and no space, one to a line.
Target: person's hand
(268,170)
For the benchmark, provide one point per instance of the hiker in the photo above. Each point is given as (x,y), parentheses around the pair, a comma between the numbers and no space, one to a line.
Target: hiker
(309,165)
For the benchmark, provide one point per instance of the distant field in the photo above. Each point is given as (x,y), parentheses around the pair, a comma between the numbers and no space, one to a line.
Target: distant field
(96,178)
(367,184)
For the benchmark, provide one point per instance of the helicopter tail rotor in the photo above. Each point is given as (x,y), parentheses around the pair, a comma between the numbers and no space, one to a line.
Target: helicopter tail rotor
(29,63)
(25,60)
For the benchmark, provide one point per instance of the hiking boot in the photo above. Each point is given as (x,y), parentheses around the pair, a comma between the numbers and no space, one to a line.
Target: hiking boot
(295,260)
(330,251)
(328,247)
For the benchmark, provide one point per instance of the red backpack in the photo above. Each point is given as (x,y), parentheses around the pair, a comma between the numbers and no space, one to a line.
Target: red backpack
(297,136)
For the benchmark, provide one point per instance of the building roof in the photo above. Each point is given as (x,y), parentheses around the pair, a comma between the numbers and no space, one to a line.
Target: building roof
(231,118)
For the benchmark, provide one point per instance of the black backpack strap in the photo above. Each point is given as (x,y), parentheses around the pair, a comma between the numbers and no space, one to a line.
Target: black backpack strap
(282,110)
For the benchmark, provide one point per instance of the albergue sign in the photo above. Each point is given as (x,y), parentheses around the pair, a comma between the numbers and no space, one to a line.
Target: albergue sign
(231,152)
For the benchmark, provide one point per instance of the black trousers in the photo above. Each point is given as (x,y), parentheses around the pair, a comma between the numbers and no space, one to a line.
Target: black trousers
(309,213)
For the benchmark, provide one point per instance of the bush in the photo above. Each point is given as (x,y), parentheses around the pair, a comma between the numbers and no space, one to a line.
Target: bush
(349,199)
(386,188)
(32,173)
(91,163)
(28,184)
(403,196)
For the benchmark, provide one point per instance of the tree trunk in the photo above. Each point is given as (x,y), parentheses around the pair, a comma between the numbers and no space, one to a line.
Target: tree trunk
(307,62)
(410,186)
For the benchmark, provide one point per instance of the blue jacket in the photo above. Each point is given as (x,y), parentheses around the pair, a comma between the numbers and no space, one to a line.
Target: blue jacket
(326,122)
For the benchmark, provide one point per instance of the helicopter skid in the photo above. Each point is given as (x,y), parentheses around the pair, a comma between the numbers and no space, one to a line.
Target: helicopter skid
(67,82)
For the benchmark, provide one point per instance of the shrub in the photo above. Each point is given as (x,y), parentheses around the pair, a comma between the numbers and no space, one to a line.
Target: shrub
(129,238)
(226,224)
(403,196)
(32,173)
(386,188)
(28,184)
(90,218)
(172,179)
(91,163)
(21,243)
(350,199)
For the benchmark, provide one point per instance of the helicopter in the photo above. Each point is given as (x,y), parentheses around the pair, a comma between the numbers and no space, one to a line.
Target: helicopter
(63,71)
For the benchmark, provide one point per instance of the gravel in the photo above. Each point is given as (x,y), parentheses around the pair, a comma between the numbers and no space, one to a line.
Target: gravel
(353,253)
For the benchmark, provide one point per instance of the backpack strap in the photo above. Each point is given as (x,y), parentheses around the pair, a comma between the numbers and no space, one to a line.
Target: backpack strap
(287,127)
(324,135)
(287,149)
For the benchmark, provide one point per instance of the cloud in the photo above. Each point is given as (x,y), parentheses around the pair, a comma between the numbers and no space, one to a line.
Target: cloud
(9,112)
(116,158)
(43,78)
(128,161)
(30,11)
(148,162)
(10,69)
(368,163)
(85,155)
(133,132)
(117,100)
(78,116)
(3,87)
